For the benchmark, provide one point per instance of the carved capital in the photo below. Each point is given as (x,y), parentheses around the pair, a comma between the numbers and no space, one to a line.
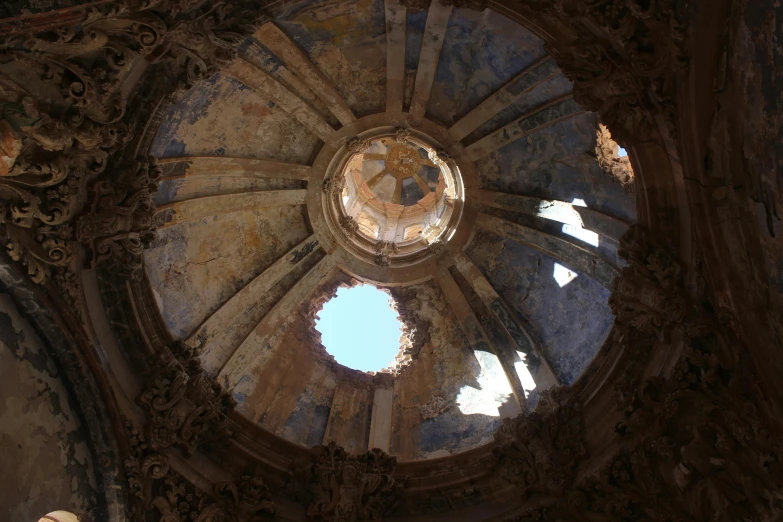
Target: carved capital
(186,407)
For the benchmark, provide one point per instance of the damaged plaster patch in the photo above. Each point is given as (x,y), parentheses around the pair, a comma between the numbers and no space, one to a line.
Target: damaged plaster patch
(45,459)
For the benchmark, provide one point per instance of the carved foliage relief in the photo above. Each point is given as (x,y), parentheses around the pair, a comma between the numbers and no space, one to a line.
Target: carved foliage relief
(67,111)
(347,488)
(186,407)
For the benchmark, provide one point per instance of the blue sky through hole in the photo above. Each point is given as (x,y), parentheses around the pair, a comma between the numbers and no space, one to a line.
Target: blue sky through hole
(360,329)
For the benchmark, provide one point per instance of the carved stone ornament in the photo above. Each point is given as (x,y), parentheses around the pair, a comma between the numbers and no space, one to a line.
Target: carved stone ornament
(696,447)
(383,252)
(402,135)
(357,145)
(63,128)
(625,69)
(539,451)
(169,497)
(439,157)
(186,407)
(119,222)
(349,224)
(348,488)
(333,186)
(648,295)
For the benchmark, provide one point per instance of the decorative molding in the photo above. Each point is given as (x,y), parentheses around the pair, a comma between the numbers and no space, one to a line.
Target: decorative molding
(383,252)
(75,114)
(119,222)
(539,451)
(348,488)
(349,224)
(186,407)
(357,145)
(626,69)
(402,135)
(333,186)
(170,497)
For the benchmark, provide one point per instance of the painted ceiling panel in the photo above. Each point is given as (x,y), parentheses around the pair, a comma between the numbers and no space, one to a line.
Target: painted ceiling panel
(557,162)
(481,52)
(196,125)
(347,41)
(194,267)
(570,323)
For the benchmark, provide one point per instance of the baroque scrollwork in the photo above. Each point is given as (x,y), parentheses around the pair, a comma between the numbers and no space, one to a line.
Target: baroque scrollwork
(540,451)
(186,407)
(348,488)
(169,497)
(628,68)
(65,96)
(119,221)
(383,252)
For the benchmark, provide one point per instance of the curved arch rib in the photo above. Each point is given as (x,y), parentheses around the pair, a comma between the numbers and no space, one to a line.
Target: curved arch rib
(579,259)
(521,341)
(431,46)
(554,111)
(198,208)
(243,356)
(236,167)
(395,54)
(533,76)
(279,43)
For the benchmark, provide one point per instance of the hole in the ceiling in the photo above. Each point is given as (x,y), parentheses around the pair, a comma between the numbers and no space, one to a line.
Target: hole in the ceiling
(360,328)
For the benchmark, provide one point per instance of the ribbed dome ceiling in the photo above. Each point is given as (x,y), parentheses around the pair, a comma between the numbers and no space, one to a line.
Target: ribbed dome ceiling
(243,261)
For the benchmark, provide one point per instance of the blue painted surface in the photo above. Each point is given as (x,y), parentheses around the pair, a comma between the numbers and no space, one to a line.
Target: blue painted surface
(569,324)
(481,52)
(556,163)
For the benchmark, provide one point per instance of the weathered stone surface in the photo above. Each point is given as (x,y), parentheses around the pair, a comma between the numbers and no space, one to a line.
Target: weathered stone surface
(47,464)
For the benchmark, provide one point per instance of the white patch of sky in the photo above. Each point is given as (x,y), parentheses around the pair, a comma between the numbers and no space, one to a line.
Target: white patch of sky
(360,329)
(622,152)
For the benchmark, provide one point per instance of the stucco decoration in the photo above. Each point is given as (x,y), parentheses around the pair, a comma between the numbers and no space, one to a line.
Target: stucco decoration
(186,407)
(539,451)
(348,488)
(62,131)
(119,222)
(695,444)
(170,497)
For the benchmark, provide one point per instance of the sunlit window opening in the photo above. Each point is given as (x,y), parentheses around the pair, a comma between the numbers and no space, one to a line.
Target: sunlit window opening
(572,221)
(493,388)
(563,275)
(525,377)
(360,328)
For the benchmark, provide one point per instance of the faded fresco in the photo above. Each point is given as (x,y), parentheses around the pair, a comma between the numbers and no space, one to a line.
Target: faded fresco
(569,323)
